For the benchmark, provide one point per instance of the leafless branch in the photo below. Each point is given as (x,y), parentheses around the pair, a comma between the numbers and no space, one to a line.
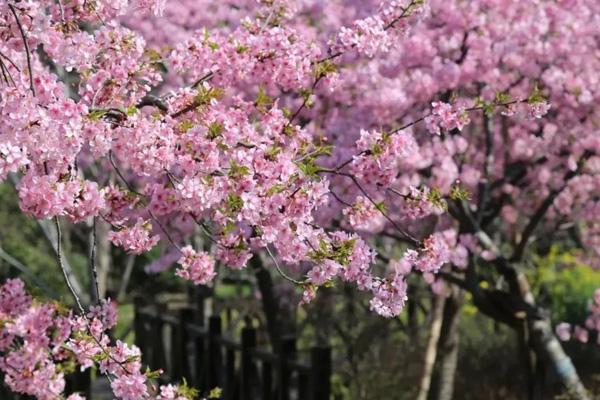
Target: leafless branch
(26,44)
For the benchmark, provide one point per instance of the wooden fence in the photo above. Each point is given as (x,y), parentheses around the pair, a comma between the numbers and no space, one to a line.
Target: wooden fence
(206,358)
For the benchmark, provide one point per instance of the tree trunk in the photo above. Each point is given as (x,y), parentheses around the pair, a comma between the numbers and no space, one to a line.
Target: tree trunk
(443,380)
(549,353)
(546,346)
(549,350)
(269,302)
(431,351)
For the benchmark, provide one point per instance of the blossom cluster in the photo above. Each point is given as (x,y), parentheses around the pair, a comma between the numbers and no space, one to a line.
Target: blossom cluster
(445,116)
(230,127)
(41,342)
(198,268)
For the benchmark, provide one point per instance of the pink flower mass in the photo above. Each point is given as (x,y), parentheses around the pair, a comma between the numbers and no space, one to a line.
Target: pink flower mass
(312,133)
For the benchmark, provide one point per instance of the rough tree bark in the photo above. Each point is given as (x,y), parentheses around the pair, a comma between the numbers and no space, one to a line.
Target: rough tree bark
(550,351)
(511,307)
(432,345)
(442,387)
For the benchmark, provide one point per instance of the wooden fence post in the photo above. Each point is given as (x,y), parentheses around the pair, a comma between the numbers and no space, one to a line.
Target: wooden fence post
(79,382)
(288,352)
(200,360)
(186,317)
(229,383)
(140,329)
(303,385)
(248,344)
(179,351)
(215,356)
(158,346)
(267,380)
(199,295)
(320,380)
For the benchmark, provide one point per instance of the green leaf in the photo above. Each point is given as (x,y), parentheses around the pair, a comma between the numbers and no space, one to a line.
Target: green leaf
(215,130)
(309,168)
(236,170)
(535,96)
(234,203)
(502,98)
(263,101)
(380,206)
(186,391)
(206,94)
(324,68)
(435,197)
(457,192)
(241,49)
(185,126)
(215,393)
(152,374)
(96,115)
(131,111)
(272,152)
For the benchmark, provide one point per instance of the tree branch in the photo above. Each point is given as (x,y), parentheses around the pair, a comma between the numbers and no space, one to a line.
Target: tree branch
(59,257)
(13,262)
(27,51)
(540,213)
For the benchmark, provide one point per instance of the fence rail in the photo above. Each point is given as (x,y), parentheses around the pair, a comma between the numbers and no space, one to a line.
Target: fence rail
(204,356)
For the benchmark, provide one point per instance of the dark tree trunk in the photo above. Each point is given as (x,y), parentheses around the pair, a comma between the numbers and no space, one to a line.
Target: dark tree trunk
(269,302)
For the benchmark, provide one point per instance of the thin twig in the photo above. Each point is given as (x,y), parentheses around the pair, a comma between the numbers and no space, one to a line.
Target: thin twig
(279,270)
(540,213)
(59,256)
(13,262)
(414,240)
(10,61)
(118,171)
(420,119)
(162,228)
(338,198)
(24,37)
(93,269)
(150,213)
(3,68)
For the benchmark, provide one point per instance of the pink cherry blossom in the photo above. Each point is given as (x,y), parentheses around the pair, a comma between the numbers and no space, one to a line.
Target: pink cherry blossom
(196,267)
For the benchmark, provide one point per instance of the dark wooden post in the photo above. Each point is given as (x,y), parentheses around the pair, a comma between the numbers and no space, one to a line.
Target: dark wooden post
(79,382)
(320,379)
(158,345)
(186,318)
(229,391)
(140,329)
(200,360)
(288,352)
(199,295)
(267,380)
(215,356)
(303,385)
(248,344)
(179,350)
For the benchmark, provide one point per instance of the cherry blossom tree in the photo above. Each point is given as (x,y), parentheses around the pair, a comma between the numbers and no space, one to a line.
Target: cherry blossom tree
(316,134)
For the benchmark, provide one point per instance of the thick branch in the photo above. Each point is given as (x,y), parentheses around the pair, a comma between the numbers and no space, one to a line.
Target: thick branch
(540,213)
